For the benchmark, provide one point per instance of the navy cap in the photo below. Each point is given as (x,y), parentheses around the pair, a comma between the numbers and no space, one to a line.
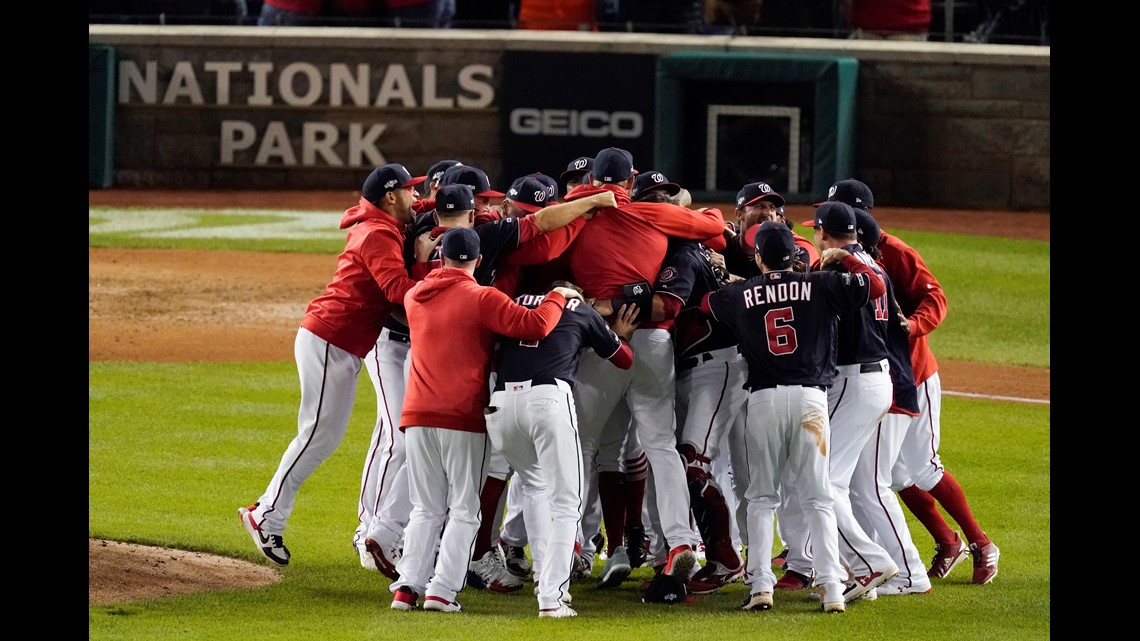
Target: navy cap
(385,178)
(528,193)
(551,185)
(461,243)
(436,171)
(612,165)
(753,192)
(867,228)
(473,177)
(834,217)
(647,181)
(577,168)
(853,192)
(775,244)
(453,199)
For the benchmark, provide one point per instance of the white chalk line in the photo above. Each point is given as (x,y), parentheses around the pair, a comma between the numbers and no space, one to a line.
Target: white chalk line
(991,397)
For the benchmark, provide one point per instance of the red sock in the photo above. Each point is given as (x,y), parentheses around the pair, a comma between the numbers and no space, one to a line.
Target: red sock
(921,504)
(488,503)
(611,492)
(636,472)
(952,499)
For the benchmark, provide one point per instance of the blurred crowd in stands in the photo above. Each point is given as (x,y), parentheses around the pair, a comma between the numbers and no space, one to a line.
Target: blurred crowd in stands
(980,21)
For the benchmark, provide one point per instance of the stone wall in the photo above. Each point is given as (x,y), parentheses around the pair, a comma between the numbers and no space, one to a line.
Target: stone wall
(937,124)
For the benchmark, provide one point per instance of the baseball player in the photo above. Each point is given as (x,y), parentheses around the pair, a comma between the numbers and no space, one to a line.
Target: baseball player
(605,268)
(551,185)
(710,395)
(453,321)
(531,420)
(386,529)
(785,321)
(477,180)
(710,374)
(577,172)
(757,202)
(920,477)
(383,483)
(873,502)
(857,400)
(487,569)
(338,330)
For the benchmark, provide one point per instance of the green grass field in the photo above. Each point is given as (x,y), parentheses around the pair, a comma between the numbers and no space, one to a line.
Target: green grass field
(174,449)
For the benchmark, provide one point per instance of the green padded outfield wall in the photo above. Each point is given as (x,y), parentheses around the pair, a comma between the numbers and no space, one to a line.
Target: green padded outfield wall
(100,116)
(785,119)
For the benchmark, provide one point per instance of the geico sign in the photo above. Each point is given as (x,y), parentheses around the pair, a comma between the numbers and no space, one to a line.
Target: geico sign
(571,122)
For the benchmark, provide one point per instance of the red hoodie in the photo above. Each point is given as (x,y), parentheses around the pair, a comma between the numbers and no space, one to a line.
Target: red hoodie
(627,243)
(453,322)
(370,280)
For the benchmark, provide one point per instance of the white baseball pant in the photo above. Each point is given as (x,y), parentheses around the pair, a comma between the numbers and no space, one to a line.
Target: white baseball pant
(875,505)
(328,376)
(919,463)
(649,389)
(857,401)
(536,429)
(787,436)
(445,475)
(384,505)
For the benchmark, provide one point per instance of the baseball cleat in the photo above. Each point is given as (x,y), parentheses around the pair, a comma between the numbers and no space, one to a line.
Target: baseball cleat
(440,604)
(793,580)
(831,598)
(271,546)
(404,598)
(947,556)
(757,601)
(384,557)
(780,559)
(514,557)
(681,561)
(489,573)
(864,583)
(583,566)
(616,569)
(561,612)
(636,545)
(985,562)
(712,577)
(899,585)
(366,560)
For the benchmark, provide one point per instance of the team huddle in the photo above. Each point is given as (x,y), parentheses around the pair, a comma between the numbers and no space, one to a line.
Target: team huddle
(611,375)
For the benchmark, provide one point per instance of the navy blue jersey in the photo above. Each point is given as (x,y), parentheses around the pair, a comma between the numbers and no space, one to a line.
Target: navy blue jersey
(862,334)
(495,239)
(559,354)
(742,263)
(873,333)
(738,262)
(787,322)
(687,274)
(902,374)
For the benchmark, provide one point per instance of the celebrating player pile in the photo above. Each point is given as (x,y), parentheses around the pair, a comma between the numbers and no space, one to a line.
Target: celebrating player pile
(648,381)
